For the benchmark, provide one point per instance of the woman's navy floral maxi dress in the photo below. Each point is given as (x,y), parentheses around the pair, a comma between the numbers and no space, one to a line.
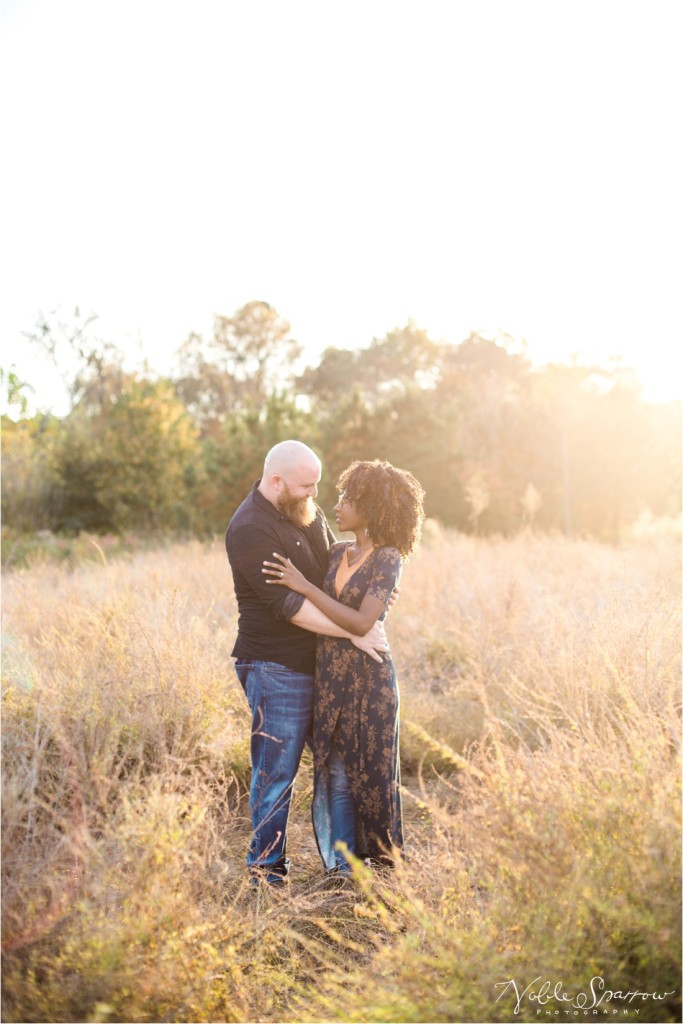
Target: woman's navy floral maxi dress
(356,708)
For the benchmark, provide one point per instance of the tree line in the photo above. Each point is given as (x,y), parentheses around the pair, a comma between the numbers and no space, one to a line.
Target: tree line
(497,443)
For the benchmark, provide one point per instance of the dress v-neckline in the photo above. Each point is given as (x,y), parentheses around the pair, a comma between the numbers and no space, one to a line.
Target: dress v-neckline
(347,573)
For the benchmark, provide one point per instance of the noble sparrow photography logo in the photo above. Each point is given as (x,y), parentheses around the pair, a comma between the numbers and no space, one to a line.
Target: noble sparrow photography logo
(553,998)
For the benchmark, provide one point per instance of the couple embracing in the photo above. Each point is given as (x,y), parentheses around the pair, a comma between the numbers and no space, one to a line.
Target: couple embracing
(312,656)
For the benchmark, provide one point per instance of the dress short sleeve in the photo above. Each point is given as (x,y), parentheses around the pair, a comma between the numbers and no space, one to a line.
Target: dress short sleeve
(386,572)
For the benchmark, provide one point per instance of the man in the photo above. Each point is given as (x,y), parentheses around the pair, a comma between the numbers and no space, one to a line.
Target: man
(275,646)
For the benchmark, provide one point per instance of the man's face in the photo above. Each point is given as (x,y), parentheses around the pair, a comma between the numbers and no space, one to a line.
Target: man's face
(298,489)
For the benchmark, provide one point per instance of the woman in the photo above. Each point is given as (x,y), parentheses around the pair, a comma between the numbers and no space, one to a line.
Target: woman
(355,731)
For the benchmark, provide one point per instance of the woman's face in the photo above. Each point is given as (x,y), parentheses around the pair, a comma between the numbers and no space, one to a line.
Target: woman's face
(348,520)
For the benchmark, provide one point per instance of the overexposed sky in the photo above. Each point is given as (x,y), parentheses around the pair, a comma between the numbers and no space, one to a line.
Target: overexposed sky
(472,164)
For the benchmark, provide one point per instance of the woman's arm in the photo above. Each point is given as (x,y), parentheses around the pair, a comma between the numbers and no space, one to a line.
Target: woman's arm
(358,622)
(374,642)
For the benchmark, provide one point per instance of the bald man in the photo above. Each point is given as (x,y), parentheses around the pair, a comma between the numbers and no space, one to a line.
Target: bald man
(275,646)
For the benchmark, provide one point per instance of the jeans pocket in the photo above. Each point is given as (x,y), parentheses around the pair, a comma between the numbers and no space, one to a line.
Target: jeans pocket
(243,670)
(275,668)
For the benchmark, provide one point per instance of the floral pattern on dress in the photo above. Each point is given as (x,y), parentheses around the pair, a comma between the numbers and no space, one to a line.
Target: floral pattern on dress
(357,710)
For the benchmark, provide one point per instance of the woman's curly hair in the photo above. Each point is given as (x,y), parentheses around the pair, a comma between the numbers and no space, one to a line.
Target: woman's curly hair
(389,499)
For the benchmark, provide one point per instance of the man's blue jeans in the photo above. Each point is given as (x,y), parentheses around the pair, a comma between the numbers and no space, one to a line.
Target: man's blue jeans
(281,703)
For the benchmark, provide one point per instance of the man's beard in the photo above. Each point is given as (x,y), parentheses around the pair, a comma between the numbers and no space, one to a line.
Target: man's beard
(301,512)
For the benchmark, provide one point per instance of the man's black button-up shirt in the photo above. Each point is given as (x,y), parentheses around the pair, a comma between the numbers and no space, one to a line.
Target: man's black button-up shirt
(256,531)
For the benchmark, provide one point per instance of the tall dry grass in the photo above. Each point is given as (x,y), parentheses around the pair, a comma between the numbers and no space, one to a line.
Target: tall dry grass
(540,687)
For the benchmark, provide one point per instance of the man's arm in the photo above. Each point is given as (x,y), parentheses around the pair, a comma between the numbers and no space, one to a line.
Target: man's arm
(246,547)
(311,618)
(246,550)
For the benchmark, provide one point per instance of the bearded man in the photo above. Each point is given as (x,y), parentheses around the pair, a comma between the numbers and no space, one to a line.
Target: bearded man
(275,646)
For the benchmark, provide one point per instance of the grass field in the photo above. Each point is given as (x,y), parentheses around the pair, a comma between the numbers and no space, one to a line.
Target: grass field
(540,682)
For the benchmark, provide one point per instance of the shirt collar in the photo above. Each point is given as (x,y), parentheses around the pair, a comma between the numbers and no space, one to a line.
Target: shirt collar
(265,505)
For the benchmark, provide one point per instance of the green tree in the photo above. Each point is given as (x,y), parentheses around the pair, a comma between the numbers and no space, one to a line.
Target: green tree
(403,359)
(14,390)
(31,492)
(379,402)
(148,450)
(206,388)
(232,455)
(250,355)
(477,402)
(128,466)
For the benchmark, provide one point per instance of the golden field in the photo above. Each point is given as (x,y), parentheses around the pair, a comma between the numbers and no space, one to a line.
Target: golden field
(540,682)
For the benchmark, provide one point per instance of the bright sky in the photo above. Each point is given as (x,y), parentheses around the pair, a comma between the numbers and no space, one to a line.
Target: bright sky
(468,163)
